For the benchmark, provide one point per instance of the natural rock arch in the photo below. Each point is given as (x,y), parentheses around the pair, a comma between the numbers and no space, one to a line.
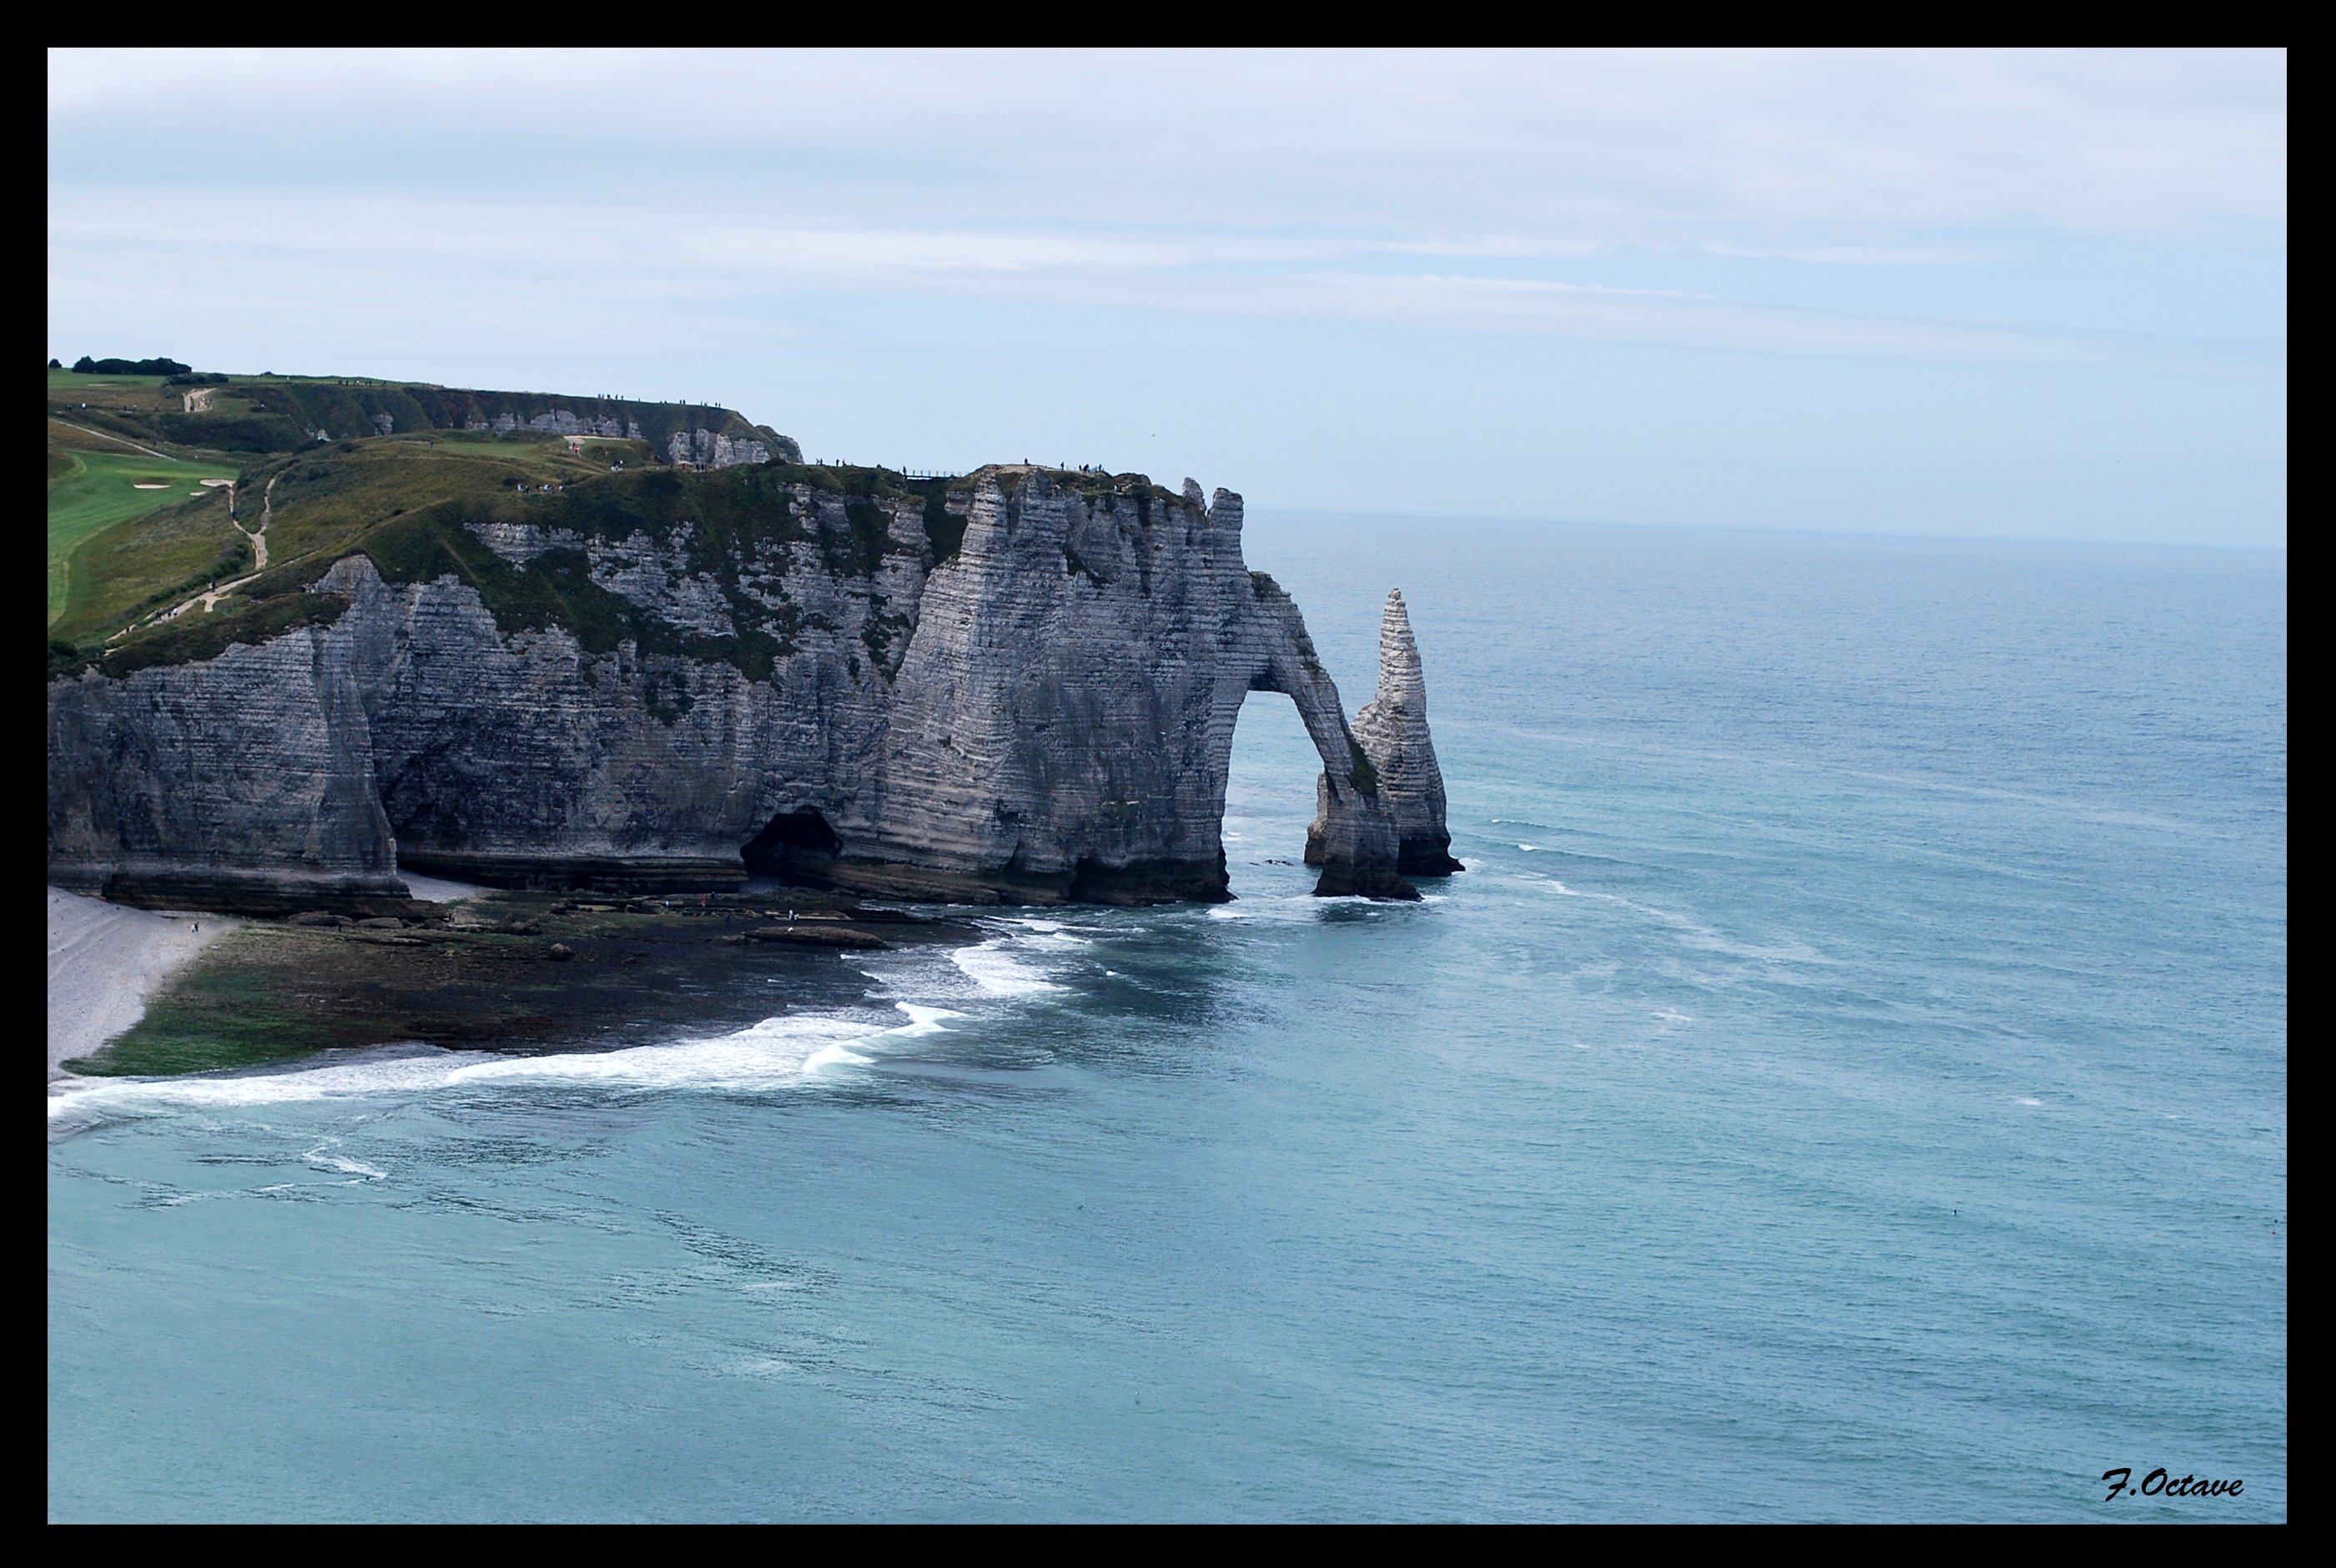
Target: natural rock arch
(1354,839)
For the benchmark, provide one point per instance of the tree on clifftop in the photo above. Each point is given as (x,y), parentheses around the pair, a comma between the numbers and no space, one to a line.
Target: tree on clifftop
(88,366)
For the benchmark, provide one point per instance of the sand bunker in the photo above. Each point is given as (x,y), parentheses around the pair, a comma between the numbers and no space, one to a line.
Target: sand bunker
(142,484)
(219,481)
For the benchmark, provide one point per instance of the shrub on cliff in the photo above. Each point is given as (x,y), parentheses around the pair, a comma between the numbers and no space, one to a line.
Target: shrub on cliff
(196,636)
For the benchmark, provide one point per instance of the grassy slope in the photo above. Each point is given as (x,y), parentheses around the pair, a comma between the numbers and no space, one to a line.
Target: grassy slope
(280,413)
(62,380)
(408,503)
(145,564)
(408,500)
(91,491)
(322,505)
(69,379)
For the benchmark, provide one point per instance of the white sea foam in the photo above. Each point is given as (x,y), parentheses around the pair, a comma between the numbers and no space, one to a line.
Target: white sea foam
(766,1055)
(999,972)
(403,1073)
(834,1056)
(1293,909)
(318,1156)
(773,1053)
(1694,933)
(1528,848)
(763,1366)
(2028,1102)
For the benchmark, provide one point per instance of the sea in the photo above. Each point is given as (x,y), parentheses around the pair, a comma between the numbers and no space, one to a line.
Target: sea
(1849,1082)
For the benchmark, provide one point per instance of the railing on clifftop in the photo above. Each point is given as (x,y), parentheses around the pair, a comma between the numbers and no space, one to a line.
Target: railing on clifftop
(886,468)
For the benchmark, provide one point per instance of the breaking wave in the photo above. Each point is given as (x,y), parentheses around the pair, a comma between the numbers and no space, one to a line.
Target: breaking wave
(777,1053)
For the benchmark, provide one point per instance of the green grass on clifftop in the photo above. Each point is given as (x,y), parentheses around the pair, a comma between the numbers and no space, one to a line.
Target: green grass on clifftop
(91,492)
(282,414)
(415,502)
(415,506)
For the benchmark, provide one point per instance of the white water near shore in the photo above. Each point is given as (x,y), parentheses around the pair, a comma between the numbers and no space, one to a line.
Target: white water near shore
(439,889)
(774,1053)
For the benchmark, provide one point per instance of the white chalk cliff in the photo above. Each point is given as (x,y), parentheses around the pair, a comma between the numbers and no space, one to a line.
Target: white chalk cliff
(1038,709)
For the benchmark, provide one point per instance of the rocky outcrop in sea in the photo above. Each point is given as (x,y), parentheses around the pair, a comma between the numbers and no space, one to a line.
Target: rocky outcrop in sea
(1393,728)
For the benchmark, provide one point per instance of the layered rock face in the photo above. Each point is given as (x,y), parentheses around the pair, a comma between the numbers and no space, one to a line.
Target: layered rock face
(1046,714)
(556,422)
(705,449)
(1065,714)
(246,776)
(1393,728)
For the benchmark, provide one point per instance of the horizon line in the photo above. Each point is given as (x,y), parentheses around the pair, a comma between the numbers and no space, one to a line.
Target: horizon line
(1750,527)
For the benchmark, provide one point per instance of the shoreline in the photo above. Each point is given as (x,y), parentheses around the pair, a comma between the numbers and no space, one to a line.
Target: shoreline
(145,995)
(105,961)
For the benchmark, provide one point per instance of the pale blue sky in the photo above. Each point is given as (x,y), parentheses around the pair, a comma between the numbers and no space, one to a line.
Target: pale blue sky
(2030,294)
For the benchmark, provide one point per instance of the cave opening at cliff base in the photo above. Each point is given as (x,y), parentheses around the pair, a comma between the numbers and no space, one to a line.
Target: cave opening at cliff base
(797,846)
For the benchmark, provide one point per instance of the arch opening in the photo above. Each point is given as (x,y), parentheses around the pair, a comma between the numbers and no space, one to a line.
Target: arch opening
(1351,836)
(1268,808)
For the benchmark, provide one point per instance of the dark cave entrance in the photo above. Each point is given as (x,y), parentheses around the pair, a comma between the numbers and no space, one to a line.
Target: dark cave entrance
(796,847)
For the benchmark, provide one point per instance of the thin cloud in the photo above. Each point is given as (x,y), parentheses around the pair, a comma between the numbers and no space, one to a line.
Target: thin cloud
(1765,149)
(1851,259)
(1855,254)
(379,250)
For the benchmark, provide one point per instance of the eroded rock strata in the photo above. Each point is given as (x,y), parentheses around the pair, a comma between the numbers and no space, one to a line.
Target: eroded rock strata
(1021,690)
(1393,728)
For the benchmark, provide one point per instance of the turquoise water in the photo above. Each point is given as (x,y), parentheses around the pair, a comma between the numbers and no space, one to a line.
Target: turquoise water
(1850,1082)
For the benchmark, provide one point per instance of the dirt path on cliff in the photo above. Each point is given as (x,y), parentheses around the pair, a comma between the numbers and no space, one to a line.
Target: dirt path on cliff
(212,596)
(102,436)
(258,537)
